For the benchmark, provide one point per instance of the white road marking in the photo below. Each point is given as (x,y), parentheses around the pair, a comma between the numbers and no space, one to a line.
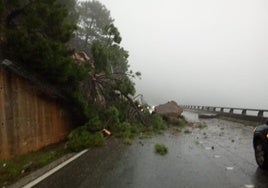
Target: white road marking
(208,148)
(229,168)
(52,171)
(249,186)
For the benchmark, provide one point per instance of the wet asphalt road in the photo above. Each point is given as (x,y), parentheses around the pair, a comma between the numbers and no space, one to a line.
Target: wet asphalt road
(220,155)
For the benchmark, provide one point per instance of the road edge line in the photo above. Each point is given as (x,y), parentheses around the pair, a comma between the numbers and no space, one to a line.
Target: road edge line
(52,171)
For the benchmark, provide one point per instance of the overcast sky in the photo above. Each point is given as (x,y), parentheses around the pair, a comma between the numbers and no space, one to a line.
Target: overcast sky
(209,52)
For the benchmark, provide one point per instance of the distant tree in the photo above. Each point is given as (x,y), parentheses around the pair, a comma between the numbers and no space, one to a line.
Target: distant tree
(71,5)
(93,20)
(99,37)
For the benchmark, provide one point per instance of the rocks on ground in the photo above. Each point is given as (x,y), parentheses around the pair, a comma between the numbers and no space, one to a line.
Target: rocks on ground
(169,110)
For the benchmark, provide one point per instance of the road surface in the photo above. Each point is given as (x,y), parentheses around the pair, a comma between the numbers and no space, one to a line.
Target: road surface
(220,155)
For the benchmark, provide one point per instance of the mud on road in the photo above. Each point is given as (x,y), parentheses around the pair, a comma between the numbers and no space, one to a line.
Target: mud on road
(218,155)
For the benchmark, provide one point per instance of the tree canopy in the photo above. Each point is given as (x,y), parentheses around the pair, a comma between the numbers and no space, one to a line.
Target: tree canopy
(93,19)
(35,34)
(42,35)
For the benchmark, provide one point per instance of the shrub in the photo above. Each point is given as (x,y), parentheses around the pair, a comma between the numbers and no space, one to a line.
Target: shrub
(128,141)
(119,128)
(126,130)
(127,133)
(112,114)
(187,131)
(160,149)
(158,123)
(46,158)
(94,124)
(80,139)
(180,122)
(136,128)
(202,125)
(177,129)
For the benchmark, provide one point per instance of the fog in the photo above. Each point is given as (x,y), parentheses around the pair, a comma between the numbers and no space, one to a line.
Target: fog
(209,52)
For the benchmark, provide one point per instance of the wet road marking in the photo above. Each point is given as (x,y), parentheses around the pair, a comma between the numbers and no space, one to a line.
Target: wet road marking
(208,148)
(52,171)
(229,168)
(249,186)
(217,156)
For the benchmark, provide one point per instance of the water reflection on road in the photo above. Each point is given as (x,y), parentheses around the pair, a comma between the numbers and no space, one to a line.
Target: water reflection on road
(192,117)
(219,155)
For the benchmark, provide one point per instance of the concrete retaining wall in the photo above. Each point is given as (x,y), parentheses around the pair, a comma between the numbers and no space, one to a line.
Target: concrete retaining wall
(29,120)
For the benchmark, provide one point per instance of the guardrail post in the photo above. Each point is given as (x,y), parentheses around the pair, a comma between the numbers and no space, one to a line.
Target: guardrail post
(260,113)
(231,111)
(214,109)
(244,112)
(222,109)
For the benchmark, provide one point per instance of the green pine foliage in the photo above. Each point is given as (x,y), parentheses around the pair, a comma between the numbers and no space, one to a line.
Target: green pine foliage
(180,122)
(158,123)
(81,138)
(160,149)
(36,34)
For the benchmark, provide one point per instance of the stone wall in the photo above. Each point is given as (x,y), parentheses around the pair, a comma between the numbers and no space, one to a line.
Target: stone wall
(29,120)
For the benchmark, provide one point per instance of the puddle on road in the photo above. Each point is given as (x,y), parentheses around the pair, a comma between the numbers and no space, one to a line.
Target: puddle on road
(190,116)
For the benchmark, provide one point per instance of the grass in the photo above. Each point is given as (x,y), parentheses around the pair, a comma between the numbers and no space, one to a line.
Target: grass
(177,129)
(160,149)
(80,139)
(145,135)
(181,122)
(187,131)
(202,125)
(178,122)
(13,169)
(128,141)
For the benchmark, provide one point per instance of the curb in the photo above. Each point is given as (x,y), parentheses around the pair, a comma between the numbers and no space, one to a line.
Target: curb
(41,174)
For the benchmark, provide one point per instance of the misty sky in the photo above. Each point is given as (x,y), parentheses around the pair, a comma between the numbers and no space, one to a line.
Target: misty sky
(209,52)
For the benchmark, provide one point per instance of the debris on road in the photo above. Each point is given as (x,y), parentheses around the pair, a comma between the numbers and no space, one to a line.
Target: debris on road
(106,132)
(206,116)
(169,110)
(161,149)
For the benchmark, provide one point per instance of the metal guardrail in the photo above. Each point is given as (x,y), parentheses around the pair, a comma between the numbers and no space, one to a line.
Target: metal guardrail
(227,110)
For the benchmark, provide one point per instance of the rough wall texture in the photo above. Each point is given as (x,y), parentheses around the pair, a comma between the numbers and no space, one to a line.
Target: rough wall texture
(29,120)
